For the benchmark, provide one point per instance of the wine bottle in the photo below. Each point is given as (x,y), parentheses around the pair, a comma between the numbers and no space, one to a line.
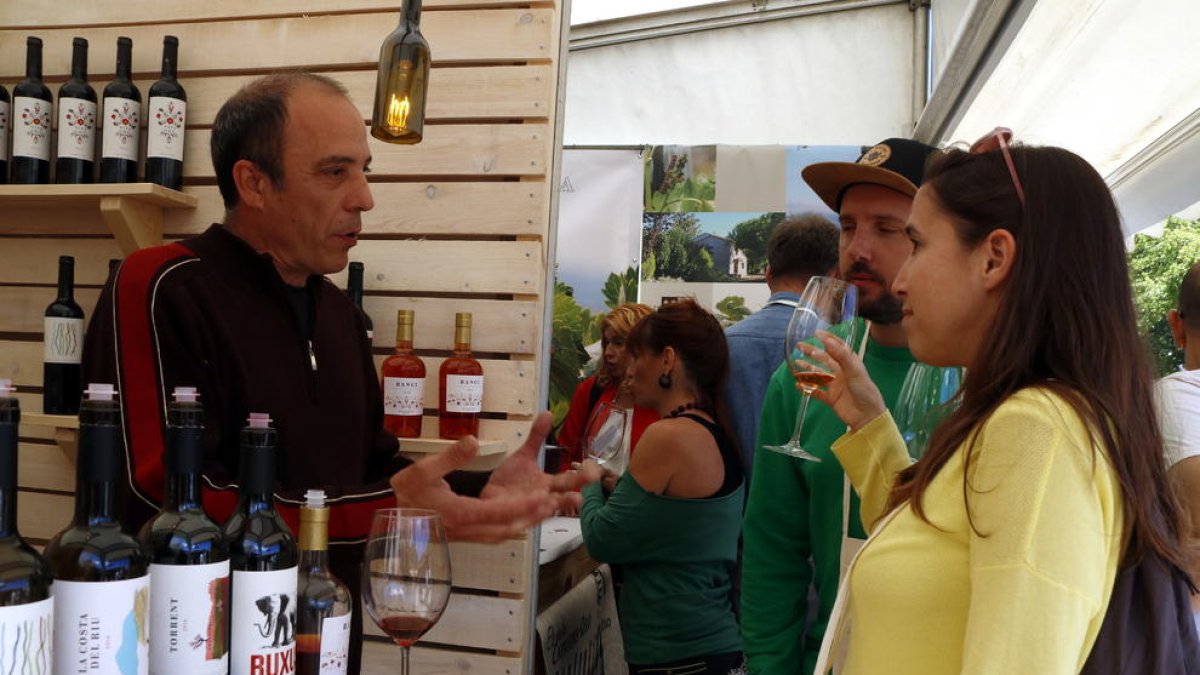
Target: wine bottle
(122,122)
(5,104)
(403,383)
(26,608)
(354,289)
(189,572)
(263,558)
(101,580)
(400,90)
(323,621)
(460,391)
(63,346)
(165,116)
(32,112)
(76,121)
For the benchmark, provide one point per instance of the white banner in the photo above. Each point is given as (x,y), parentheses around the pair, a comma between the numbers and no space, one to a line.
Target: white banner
(599,220)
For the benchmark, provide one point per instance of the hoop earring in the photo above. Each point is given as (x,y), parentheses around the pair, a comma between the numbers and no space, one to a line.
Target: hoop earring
(664,380)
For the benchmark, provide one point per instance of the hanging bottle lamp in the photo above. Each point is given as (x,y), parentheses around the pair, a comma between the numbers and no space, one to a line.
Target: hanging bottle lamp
(403,81)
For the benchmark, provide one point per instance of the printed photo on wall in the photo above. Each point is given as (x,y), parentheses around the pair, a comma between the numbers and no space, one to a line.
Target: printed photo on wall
(680,178)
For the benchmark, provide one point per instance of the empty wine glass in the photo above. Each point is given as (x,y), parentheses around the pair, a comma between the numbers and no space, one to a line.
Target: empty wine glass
(406,574)
(604,436)
(827,304)
(925,398)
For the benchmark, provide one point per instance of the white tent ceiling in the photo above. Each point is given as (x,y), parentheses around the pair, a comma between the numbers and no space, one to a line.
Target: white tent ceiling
(1114,80)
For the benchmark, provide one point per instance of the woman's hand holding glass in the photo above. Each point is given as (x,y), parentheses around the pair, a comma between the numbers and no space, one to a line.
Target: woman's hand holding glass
(850,393)
(826,303)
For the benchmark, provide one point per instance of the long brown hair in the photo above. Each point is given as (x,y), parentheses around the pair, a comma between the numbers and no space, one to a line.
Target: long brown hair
(1066,323)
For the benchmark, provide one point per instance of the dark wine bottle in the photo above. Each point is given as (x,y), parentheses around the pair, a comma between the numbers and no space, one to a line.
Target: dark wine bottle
(460,390)
(323,619)
(189,572)
(122,122)
(63,339)
(354,289)
(32,113)
(400,90)
(76,122)
(101,572)
(26,609)
(5,108)
(263,559)
(165,116)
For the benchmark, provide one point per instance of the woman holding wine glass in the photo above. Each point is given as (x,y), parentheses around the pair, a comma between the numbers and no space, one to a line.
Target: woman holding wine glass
(672,520)
(605,386)
(997,551)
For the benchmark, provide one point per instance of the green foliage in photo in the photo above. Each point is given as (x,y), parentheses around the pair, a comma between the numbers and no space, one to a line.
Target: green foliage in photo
(668,188)
(1157,266)
(751,237)
(732,309)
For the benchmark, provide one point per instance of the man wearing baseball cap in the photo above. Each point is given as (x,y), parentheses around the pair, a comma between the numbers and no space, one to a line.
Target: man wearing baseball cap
(802,523)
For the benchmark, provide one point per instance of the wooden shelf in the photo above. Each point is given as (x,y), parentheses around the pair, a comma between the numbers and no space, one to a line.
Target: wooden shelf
(491,453)
(55,421)
(66,430)
(132,211)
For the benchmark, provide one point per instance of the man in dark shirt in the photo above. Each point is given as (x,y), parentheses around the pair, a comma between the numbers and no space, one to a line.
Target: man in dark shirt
(244,313)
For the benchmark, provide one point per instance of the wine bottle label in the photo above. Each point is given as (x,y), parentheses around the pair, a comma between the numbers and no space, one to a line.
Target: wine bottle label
(404,396)
(122,121)
(63,340)
(164,136)
(31,127)
(3,131)
(25,632)
(189,611)
(101,626)
(335,645)
(464,393)
(370,335)
(76,128)
(263,623)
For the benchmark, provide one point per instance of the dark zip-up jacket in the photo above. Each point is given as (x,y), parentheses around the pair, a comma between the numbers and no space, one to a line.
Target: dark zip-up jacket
(212,313)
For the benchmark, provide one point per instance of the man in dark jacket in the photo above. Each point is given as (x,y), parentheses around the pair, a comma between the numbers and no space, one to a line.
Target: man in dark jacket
(244,313)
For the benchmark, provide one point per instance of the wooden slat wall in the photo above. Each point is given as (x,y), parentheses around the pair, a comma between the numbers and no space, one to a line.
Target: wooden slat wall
(461,223)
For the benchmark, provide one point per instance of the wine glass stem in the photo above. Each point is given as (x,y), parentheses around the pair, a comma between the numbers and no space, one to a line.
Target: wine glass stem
(404,661)
(800,419)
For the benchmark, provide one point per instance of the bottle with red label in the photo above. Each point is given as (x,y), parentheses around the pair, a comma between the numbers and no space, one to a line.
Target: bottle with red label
(460,390)
(403,383)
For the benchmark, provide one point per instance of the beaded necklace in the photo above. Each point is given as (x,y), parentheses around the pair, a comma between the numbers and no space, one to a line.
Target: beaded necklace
(690,405)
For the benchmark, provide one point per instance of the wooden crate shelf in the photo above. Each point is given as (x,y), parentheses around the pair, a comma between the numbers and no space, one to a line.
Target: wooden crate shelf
(132,211)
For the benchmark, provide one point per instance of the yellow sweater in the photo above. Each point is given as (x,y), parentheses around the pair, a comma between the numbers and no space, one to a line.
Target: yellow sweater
(1026,595)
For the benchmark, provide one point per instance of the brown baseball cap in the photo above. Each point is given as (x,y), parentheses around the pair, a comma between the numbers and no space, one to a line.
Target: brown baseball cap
(896,163)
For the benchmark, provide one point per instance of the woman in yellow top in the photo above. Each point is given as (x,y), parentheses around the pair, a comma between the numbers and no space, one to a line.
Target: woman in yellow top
(997,551)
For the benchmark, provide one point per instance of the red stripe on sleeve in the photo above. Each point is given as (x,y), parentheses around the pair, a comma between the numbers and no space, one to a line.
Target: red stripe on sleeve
(137,360)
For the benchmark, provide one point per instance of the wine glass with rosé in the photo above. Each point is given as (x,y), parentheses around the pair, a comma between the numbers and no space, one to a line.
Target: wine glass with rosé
(406,574)
(827,304)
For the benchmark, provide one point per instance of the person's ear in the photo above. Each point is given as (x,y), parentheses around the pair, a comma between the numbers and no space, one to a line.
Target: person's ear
(1178,330)
(668,359)
(251,184)
(998,255)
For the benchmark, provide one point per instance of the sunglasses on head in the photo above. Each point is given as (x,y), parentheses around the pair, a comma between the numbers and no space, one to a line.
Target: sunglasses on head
(998,139)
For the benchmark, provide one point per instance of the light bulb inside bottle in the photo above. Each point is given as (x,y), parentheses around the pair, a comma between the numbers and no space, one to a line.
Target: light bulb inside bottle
(397,114)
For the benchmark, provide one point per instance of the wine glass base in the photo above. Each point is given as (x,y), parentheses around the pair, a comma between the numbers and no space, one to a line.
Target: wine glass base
(793,451)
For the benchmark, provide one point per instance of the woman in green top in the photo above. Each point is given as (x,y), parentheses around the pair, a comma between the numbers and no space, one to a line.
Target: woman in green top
(672,520)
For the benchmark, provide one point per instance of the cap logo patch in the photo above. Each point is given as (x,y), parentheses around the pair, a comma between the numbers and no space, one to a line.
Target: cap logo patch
(876,155)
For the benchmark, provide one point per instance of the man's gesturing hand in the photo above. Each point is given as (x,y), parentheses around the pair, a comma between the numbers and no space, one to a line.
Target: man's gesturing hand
(518,495)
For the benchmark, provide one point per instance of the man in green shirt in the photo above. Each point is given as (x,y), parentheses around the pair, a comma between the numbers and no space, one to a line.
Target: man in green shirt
(796,531)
